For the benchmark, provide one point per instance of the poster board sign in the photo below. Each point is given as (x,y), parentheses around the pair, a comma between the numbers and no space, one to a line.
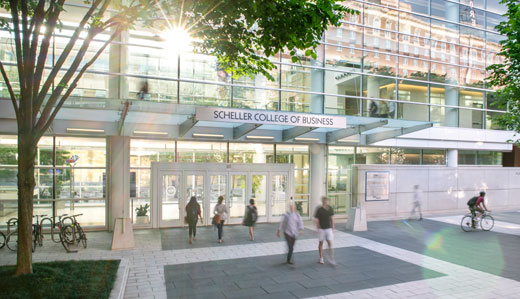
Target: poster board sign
(377,185)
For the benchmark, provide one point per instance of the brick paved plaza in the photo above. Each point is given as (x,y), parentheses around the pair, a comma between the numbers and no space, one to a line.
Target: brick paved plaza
(432,258)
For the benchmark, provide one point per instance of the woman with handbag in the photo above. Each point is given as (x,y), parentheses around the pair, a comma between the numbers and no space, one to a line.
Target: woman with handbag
(193,213)
(221,213)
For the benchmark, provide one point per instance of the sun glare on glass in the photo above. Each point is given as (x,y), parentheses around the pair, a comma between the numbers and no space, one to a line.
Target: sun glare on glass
(177,39)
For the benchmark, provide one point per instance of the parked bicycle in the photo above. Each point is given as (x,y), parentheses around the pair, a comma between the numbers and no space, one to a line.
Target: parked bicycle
(12,235)
(55,226)
(485,221)
(72,234)
(37,231)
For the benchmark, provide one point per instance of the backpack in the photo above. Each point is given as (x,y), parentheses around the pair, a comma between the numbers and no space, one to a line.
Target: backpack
(472,201)
(193,212)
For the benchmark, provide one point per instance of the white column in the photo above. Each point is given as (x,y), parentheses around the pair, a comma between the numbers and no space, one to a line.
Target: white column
(453,158)
(318,175)
(118,61)
(119,179)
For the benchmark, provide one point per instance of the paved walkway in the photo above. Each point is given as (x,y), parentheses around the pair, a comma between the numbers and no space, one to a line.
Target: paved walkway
(394,259)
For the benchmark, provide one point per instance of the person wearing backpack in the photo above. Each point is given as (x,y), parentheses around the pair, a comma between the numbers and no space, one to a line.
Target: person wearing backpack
(474,205)
(250,218)
(192,217)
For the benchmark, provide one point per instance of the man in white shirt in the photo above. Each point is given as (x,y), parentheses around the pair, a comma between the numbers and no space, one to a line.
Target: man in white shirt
(417,201)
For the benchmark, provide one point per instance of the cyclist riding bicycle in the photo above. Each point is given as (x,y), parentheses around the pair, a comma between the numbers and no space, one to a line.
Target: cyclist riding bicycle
(475,204)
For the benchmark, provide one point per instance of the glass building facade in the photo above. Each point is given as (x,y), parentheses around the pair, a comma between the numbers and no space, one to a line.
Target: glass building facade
(421,60)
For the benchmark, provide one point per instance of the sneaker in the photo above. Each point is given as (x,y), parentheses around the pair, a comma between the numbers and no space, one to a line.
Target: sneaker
(322,261)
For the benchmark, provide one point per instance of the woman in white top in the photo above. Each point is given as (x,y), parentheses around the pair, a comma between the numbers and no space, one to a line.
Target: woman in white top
(222,210)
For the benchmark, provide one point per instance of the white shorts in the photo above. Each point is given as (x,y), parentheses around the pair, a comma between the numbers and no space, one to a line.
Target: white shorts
(325,234)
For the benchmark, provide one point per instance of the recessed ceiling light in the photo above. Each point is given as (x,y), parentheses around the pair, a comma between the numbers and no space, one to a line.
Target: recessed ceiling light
(306,139)
(260,137)
(85,130)
(204,135)
(151,133)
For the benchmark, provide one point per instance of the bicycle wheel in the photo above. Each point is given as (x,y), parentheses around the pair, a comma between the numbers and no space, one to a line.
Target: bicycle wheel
(2,240)
(465,224)
(12,241)
(487,222)
(67,237)
(82,236)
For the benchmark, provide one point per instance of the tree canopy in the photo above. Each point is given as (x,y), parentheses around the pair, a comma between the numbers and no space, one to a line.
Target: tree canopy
(505,76)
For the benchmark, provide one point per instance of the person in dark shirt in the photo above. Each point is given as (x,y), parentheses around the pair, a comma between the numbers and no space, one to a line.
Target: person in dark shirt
(193,212)
(324,220)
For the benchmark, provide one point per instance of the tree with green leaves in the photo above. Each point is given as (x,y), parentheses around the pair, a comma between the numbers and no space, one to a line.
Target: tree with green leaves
(242,34)
(505,76)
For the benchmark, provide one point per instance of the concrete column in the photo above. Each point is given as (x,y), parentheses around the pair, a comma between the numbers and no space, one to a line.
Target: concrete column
(453,158)
(318,175)
(372,87)
(316,86)
(117,63)
(119,179)
(451,95)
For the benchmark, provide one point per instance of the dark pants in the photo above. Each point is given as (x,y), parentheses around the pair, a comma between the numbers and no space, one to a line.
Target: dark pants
(219,229)
(193,227)
(290,243)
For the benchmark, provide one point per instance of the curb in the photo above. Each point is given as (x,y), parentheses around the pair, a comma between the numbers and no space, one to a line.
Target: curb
(118,291)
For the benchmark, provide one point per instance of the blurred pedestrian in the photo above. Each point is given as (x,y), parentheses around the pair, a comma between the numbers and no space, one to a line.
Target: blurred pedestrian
(250,218)
(193,213)
(324,220)
(291,225)
(221,213)
(417,201)
(143,92)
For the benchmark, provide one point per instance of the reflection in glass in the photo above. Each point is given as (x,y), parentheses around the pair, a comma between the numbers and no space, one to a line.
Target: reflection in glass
(405,156)
(251,153)
(170,197)
(372,155)
(237,198)
(201,152)
(434,157)
(278,194)
(259,193)
(195,187)
(218,187)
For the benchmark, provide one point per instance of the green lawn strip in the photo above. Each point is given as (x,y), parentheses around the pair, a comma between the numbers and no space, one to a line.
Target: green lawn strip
(68,279)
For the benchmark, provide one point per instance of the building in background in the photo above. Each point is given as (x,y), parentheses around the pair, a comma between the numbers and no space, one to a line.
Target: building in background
(407,76)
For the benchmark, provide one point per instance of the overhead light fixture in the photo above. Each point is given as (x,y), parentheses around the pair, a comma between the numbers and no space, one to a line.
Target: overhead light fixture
(79,130)
(348,141)
(151,133)
(260,137)
(204,135)
(306,139)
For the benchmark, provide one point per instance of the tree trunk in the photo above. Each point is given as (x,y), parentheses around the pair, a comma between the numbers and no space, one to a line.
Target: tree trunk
(26,183)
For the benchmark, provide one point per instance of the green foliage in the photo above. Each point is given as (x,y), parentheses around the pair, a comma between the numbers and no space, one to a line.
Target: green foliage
(506,76)
(142,210)
(71,279)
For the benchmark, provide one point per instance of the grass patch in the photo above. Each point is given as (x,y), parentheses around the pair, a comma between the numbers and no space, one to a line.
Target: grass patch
(69,279)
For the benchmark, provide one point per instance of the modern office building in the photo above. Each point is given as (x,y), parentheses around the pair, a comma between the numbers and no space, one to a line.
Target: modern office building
(401,83)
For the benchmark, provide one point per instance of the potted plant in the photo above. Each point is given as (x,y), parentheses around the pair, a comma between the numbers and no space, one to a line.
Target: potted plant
(142,214)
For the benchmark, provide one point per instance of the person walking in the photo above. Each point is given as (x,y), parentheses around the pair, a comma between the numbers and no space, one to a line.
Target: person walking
(417,201)
(221,212)
(193,213)
(250,218)
(324,220)
(291,225)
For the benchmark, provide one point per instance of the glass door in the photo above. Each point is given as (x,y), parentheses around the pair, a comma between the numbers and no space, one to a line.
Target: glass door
(258,191)
(195,187)
(237,196)
(171,204)
(279,195)
(217,187)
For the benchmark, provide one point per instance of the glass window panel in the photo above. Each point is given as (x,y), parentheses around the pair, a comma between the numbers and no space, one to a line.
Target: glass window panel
(91,85)
(412,91)
(380,63)
(302,204)
(342,105)
(412,68)
(149,60)
(94,211)
(418,6)
(496,7)
(202,67)
(144,151)
(339,202)
(205,94)
(142,182)
(489,158)
(251,153)
(412,112)
(472,37)
(255,98)
(296,154)
(201,152)
(446,32)
(45,151)
(472,77)
(470,118)
(491,102)
(260,80)
(471,16)
(381,88)
(8,150)
(339,161)
(299,78)
(471,98)
(348,59)
(434,157)
(467,157)
(72,182)
(301,181)
(296,102)
(444,73)
(494,39)
(8,193)
(305,60)
(472,57)
(491,120)
(416,25)
(151,89)
(492,20)
(380,17)
(372,155)
(90,151)
(44,182)
(405,156)
(444,95)
(444,10)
